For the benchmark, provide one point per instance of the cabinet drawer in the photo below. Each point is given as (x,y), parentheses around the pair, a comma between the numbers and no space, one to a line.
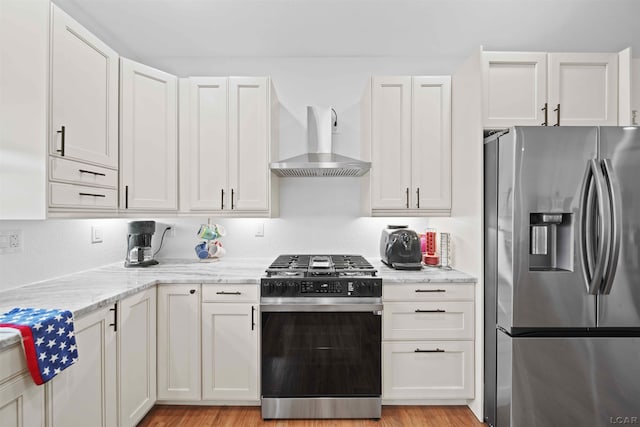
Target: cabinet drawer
(75,172)
(80,196)
(428,292)
(427,370)
(428,320)
(230,293)
(12,362)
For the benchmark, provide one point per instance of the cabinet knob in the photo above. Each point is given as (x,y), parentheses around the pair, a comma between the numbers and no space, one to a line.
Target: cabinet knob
(192,291)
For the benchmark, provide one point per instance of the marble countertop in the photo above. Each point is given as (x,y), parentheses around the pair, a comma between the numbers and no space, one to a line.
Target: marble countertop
(89,290)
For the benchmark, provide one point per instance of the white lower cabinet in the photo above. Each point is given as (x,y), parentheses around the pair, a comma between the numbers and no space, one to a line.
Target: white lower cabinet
(179,342)
(85,394)
(230,332)
(428,370)
(136,356)
(21,401)
(428,342)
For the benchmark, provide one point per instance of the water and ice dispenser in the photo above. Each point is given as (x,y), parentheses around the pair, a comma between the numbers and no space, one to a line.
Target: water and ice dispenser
(550,241)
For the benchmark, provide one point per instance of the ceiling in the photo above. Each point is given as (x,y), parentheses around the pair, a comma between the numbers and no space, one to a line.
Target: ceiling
(147,29)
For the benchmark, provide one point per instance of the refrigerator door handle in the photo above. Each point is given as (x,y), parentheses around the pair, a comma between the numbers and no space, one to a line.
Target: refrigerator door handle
(585,243)
(616,221)
(593,265)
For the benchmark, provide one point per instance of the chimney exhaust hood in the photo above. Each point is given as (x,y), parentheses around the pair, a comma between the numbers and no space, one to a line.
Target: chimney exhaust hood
(320,160)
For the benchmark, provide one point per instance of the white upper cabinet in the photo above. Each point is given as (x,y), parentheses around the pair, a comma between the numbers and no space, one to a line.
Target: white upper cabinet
(431,143)
(148,138)
(249,143)
(203,143)
(84,94)
(583,88)
(227,139)
(390,142)
(515,88)
(534,88)
(407,135)
(24,68)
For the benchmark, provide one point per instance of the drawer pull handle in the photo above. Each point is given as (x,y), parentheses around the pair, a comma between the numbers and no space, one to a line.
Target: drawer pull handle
(228,293)
(91,172)
(92,194)
(437,350)
(431,290)
(430,311)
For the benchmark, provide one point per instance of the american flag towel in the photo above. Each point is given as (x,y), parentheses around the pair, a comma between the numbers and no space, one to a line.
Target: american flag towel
(47,337)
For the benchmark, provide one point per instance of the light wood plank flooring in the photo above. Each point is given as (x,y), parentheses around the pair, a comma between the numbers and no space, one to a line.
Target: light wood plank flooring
(233,416)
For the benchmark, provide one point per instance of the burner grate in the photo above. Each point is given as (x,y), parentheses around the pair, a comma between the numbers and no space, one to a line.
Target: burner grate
(320,265)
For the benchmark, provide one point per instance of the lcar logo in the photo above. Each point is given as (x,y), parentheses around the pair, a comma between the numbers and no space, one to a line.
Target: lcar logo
(623,420)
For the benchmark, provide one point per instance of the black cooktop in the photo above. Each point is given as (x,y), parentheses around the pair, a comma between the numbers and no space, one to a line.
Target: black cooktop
(320,266)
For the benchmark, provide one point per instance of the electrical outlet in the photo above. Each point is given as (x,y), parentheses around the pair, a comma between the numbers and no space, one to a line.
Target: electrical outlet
(10,241)
(172,230)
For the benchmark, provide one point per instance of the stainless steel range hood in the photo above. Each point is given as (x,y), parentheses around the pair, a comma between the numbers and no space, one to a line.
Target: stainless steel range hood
(320,160)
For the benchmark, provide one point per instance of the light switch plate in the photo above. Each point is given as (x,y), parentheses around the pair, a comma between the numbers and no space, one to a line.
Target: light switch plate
(260,229)
(96,234)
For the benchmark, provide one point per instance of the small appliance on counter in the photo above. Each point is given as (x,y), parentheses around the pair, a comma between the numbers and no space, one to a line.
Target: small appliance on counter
(139,251)
(400,248)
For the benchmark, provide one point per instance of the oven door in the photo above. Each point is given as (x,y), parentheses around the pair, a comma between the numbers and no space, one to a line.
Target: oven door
(321,347)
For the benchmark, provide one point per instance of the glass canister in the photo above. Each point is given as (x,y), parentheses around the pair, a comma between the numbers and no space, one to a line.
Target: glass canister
(445,251)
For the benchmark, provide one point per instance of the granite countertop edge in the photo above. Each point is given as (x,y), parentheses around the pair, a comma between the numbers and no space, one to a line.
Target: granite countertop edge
(113,282)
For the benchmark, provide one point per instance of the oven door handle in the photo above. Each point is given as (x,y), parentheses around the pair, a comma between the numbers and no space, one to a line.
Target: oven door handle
(301,307)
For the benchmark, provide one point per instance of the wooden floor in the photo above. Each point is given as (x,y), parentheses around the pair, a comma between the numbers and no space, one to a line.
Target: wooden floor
(232,416)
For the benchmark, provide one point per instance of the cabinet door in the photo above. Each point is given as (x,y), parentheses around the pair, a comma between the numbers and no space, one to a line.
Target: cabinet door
(149,139)
(86,393)
(427,370)
(391,142)
(249,175)
(515,89)
(137,356)
(585,86)
(21,403)
(24,94)
(84,94)
(431,143)
(179,342)
(229,351)
(203,144)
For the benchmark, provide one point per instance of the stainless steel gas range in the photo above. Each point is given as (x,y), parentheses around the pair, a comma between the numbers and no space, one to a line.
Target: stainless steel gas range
(321,338)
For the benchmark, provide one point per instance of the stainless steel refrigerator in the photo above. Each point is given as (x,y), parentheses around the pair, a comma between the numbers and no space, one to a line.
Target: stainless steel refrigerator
(562,276)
